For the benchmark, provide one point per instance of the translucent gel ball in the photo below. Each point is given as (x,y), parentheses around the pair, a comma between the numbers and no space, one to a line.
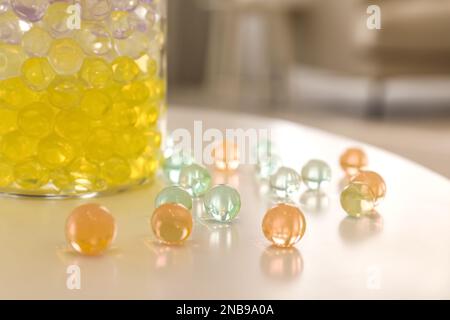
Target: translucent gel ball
(374,181)
(95,104)
(134,46)
(4,5)
(72,124)
(94,38)
(226,156)
(36,119)
(6,174)
(222,203)
(285,182)
(120,24)
(66,56)
(31,175)
(85,175)
(36,42)
(11,59)
(17,146)
(135,93)
(174,194)
(195,179)
(115,171)
(171,223)
(315,173)
(56,19)
(357,199)
(126,5)
(173,164)
(10,31)
(30,10)
(353,160)
(96,72)
(55,152)
(100,145)
(284,225)
(125,70)
(90,229)
(65,92)
(37,73)
(130,143)
(9,119)
(268,165)
(95,9)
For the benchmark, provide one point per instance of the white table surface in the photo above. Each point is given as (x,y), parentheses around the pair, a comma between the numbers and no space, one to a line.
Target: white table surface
(402,253)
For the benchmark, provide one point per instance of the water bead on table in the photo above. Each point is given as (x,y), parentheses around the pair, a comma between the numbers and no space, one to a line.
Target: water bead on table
(90,229)
(171,224)
(174,163)
(284,225)
(195,179)
(37,73)
(357,199)
(32,11)
(268,165)
(353,160)
(374,181)
(174,194)
(66,56)
(285,182)
(222,203)
(315,173)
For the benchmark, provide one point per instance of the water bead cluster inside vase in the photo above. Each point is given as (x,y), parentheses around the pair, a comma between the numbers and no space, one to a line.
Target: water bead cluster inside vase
(82,91)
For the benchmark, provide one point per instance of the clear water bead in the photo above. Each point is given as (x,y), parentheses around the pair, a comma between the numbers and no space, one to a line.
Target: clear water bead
(315,173)
(285,182)
(222,203)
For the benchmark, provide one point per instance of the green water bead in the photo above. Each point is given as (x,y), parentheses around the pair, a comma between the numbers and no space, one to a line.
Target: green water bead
(174,194)
(222,203)
(357,199)
(315,173)
(174,163)
(285,182)
(195,179)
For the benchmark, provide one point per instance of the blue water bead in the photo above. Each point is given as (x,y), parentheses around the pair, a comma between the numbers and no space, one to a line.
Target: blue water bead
(174,194)
(315,173)
(195,179)
(285,182)
(222,203)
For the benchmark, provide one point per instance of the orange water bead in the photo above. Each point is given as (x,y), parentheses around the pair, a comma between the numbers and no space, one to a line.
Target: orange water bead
(353,160)
(374,181)
(284,225)
(172,223)
(90,229)
(226,156)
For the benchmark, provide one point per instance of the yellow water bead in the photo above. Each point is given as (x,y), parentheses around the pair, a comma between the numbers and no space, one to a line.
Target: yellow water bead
(100,145)
(17,146)
(156,89)
(72,124)
(96,72)
(31,175)
(144,167)
(65,92)
(125,70)
(6,174)
(36,119)
(8,118)
(96,103)
(116,171)
(66,56)
(11,58)
(130,142)
(37,73)
(135,92)
(61,180)
(56,152)
(16,94)
(84,174)
(121,116)
(148,115)
(36,42)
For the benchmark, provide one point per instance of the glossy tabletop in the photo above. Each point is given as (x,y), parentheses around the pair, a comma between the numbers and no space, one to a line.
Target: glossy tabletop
(403,252)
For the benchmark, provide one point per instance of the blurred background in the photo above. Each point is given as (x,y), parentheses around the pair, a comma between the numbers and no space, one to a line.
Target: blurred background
(317,63)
